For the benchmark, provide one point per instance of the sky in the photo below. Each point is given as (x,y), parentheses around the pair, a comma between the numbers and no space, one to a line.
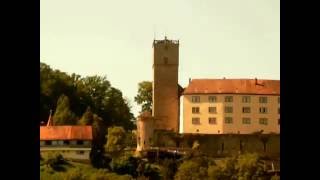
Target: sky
(113,38)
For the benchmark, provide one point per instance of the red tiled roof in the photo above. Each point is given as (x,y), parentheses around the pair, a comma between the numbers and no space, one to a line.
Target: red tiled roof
(65,132)
(233,86)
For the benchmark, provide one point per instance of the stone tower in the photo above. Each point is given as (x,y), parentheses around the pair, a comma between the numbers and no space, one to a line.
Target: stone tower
(165,98)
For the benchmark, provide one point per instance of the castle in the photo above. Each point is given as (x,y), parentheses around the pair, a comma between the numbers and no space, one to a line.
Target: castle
(208,106)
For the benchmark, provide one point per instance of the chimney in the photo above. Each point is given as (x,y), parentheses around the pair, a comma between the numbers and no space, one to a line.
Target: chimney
(189,80)
(256,81)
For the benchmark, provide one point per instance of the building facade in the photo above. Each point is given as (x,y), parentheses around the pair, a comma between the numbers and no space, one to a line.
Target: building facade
(73,142)
(165,108)
(231,106)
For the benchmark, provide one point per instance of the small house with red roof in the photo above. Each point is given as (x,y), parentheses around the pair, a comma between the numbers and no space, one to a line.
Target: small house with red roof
(73,142)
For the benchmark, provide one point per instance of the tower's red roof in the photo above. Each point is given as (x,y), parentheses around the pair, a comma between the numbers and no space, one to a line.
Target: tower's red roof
(65,132)
(233,86)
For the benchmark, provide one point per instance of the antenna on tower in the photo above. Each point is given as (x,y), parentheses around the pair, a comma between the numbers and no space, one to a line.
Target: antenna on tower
(154,32)
(165,34)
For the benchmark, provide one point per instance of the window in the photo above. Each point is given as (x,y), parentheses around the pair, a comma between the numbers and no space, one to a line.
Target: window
(278,110)
(80,152)
(195,120)
(165,60)
(246,99)
(279,122)
(263,99)
(228,120)
(79,142)
(48,142)
(213,110)
(166,47)
(212,120)
(263,110)
(228,99)
(228,109)
(66,142)
(195,110)
(246,109)
(278,100)
(263,121)
(195,99)
(246,121)
(212,99)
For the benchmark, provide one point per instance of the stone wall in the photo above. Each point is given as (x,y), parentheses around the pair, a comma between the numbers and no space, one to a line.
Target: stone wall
(224,144)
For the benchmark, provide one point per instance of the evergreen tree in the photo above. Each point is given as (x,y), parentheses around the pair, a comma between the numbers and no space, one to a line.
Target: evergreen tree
(63,115)
(87,117)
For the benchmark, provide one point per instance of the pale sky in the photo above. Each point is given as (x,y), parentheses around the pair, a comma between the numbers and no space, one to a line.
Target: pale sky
(218,38)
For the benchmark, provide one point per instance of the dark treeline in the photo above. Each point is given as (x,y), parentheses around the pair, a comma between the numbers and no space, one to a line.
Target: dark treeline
(80,94)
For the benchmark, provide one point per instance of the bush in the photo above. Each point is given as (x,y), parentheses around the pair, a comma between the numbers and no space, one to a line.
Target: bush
(75,174)
(191,170)
(125,164)
(248,166)
(275,177)
(105,175)
(55,160)
(169,168)
(151,171)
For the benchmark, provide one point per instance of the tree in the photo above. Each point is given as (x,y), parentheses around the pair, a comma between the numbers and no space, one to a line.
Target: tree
(117,110)
(115,140)
(87,117)
(190,170)
(97,157)
(144,96)
(63,114)
(249,165)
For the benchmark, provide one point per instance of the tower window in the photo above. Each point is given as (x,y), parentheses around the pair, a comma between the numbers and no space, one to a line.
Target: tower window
(165,60)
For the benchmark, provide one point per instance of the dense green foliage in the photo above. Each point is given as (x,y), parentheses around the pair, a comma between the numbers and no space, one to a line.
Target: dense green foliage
(63,115)
(144,96)
(79,171)
(69,96)
(116,140)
